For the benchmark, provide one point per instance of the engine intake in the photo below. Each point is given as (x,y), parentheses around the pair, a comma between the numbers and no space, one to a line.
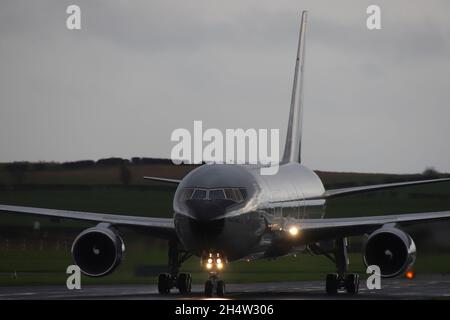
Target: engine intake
(391,249)
(98,250)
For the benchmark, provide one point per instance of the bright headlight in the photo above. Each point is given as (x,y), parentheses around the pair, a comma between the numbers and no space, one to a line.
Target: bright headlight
(293,231)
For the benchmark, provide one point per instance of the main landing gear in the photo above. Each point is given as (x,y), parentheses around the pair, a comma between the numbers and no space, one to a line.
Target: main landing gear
(341,279)
(174,279)
(214,263)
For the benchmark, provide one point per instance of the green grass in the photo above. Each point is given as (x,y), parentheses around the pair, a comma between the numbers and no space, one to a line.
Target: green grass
(115,200)
(48,267)
(424,198)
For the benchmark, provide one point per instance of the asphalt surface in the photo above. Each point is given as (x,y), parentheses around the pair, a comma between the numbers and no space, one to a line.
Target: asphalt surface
(429,288)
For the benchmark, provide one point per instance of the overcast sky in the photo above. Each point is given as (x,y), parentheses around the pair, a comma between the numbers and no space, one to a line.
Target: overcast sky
(375,101)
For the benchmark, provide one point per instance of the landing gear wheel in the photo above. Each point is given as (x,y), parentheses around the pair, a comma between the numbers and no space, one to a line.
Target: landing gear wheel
(164,281)
(184,283)
(209,286)
(220,288)
(332,283)
(352,283)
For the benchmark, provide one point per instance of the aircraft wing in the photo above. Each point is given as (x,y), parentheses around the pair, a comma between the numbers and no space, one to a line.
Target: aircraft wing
(158,227)
(334,193)
(311,230)
(174,181)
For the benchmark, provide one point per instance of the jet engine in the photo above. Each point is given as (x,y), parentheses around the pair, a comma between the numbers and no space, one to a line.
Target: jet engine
(391,249)
(98,250)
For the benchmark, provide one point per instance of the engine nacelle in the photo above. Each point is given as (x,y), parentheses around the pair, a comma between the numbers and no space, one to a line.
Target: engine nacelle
(391,249)
(98,250)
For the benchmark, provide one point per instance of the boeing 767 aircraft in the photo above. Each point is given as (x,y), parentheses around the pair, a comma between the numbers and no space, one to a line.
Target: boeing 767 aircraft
(224,213)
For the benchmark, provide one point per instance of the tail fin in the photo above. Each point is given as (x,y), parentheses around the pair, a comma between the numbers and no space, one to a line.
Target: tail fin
(292,149)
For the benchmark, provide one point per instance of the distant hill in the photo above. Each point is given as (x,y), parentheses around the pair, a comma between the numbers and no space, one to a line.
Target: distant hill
(118,171)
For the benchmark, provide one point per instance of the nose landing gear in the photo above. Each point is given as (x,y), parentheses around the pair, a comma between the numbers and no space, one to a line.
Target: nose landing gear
(214,284)
(214,263)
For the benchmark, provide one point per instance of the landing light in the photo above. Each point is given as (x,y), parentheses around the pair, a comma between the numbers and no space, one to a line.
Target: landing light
(214,262)
(293,231)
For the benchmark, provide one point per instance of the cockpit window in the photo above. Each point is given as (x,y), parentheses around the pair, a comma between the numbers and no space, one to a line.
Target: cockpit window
(229,193)
(187,194)
(216,194)
(243,192)
(199,194)
(234,194)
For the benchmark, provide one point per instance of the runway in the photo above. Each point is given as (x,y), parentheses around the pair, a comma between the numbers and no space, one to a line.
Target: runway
(428,288)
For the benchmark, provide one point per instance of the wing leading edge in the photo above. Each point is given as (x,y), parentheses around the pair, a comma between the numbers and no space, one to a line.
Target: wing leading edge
(322,229)
(334,193)
(174,181)
(158,227)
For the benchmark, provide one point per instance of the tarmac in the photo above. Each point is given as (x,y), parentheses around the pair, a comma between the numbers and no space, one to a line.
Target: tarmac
(434,287)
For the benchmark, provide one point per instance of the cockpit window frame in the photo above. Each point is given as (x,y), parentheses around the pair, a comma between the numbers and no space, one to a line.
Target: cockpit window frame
(237,195)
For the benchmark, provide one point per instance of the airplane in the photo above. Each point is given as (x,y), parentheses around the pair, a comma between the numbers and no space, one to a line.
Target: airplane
(228,212)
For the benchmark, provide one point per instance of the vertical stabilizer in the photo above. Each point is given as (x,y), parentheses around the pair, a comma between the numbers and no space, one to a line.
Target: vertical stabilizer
(292,149)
